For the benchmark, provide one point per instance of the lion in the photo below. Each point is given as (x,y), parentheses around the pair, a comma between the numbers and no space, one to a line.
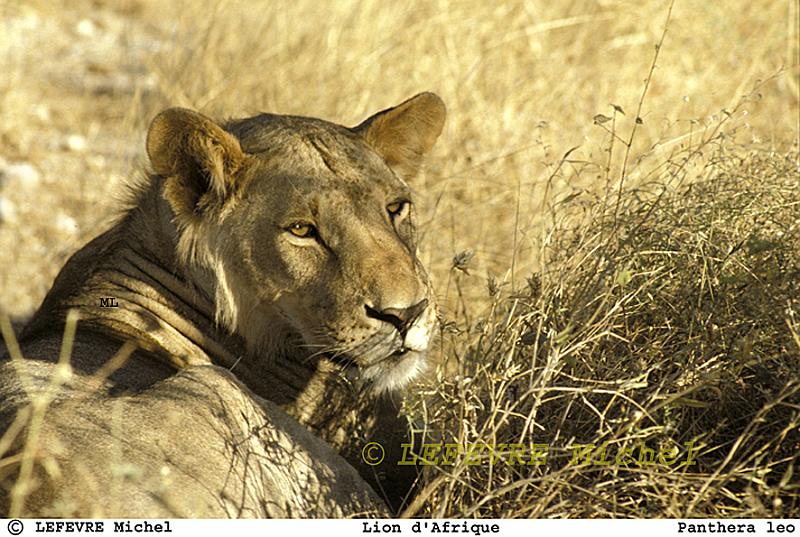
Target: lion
(264,280)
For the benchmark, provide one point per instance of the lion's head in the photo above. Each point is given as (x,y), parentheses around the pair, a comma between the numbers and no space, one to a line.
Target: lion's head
(304,230)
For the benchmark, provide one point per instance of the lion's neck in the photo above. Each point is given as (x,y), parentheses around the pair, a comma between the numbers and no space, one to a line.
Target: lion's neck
(131,286)
(173,317)
(165,313)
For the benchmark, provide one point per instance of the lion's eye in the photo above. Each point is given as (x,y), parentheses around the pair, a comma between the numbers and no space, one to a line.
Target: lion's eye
(397,208)
(302,230)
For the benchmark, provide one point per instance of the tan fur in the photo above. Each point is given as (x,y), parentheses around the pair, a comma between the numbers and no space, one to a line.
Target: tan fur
(248,336)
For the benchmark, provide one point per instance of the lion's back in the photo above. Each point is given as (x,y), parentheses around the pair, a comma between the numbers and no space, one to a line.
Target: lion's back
(197,444)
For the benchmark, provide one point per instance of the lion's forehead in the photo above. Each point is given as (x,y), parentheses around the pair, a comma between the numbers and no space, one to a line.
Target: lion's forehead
(297,196)
(307,161)
(310,145)
(291,189)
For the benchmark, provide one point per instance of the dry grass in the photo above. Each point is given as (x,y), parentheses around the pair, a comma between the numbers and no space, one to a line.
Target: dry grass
(580,308)
(677,324)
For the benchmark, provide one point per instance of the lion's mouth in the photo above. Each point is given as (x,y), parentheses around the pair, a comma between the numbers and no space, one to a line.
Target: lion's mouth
(342,360)
(384,372)
(386,360)
(395,371)
(401,352)
(347,361)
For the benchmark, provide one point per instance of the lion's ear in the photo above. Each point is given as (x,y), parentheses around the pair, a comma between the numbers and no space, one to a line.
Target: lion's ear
(198,158)
(404,134)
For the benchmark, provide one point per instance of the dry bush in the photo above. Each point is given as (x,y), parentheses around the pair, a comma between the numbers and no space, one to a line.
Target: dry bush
(675,323)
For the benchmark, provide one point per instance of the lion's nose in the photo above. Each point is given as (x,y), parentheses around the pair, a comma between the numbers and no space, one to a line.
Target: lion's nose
(400,318)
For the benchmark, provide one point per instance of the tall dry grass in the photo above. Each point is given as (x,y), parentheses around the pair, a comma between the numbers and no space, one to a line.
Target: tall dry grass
(522,81)
(670,326)
(614,264)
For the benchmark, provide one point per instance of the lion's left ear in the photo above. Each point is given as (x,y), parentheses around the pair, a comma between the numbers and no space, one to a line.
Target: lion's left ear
(197,158)
(404,134)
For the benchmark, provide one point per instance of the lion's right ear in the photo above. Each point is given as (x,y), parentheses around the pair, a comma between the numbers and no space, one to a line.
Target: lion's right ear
(402,135)
(197,157)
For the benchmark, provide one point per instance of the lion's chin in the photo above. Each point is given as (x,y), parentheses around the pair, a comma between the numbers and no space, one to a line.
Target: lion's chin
(394,373)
